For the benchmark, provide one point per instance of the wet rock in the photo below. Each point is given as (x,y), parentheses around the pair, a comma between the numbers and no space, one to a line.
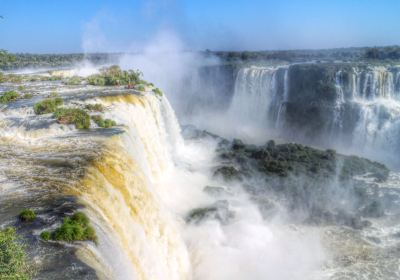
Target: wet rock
(215,191)
(217,211)
(229,173)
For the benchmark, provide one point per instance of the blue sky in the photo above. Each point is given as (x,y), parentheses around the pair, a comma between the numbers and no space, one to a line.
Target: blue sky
(121,25)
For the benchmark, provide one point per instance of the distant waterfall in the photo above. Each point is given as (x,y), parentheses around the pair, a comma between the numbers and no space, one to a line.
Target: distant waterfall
(259,97)
(373,94)
(363,115)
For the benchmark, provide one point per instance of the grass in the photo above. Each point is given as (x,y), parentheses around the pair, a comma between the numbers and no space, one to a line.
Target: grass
(74,228)
(103,123)
(8,96)
(27,215)
(75,116)
(13,264)
(94,107)
(48,105)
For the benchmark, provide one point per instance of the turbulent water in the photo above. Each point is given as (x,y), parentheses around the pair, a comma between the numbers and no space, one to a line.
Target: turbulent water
(139,181)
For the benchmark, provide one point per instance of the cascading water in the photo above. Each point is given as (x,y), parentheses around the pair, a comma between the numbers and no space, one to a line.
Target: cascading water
(373,93)
(258,101)
(155,201)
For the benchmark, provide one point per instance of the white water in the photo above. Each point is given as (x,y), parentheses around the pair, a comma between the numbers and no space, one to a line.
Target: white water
(247,247)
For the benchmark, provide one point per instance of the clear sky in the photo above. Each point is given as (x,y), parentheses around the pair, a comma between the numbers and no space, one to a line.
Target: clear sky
(121,25)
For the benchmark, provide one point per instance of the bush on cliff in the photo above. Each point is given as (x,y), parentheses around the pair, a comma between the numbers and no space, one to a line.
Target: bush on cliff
(27,215)
(114,76)
(48,105)
(74,228)
(75,116)
(8,96)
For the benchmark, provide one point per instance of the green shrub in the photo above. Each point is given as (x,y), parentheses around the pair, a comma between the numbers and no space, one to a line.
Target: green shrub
(104,123)
(94,107)
(21,88)
(73,81)
(8,96)
(13,265)
(75,228)
(140,87)
(96,80)
(157,91)
(27,215)
(75,116)
(48,105)
(114,76)
(45,235)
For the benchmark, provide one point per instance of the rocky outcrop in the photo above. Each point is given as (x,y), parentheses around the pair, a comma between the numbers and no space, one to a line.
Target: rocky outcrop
(325,187)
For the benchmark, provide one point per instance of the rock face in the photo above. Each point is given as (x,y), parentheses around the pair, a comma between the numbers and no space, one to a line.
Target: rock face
(325,187)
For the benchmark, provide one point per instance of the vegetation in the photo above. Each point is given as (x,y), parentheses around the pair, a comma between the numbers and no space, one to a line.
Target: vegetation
(27,215)
(21,60)
(140,88)
(383,53)
(158,92)
(104,123)
(94,107)
(48,105)
(6,59)
(114,76)
(45,235)
(8,96)
(74,228)
(73,81)
(13,264)
(75,116)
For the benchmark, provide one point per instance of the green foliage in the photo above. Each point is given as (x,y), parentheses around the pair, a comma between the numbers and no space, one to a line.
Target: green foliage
(96,80)
(104,123)
(140,87)
(114,76)
(48,105)
(27,215)
(158,92)
(94,107)
(21,88)
(73,81)
(75,228)
(13,265)
(8,96)
(75,116)
(6,59)
(45,235)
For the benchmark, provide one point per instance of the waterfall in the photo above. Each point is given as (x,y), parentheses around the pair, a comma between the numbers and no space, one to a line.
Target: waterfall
(138,239)
(258,102)
(372,92)
(252,95)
